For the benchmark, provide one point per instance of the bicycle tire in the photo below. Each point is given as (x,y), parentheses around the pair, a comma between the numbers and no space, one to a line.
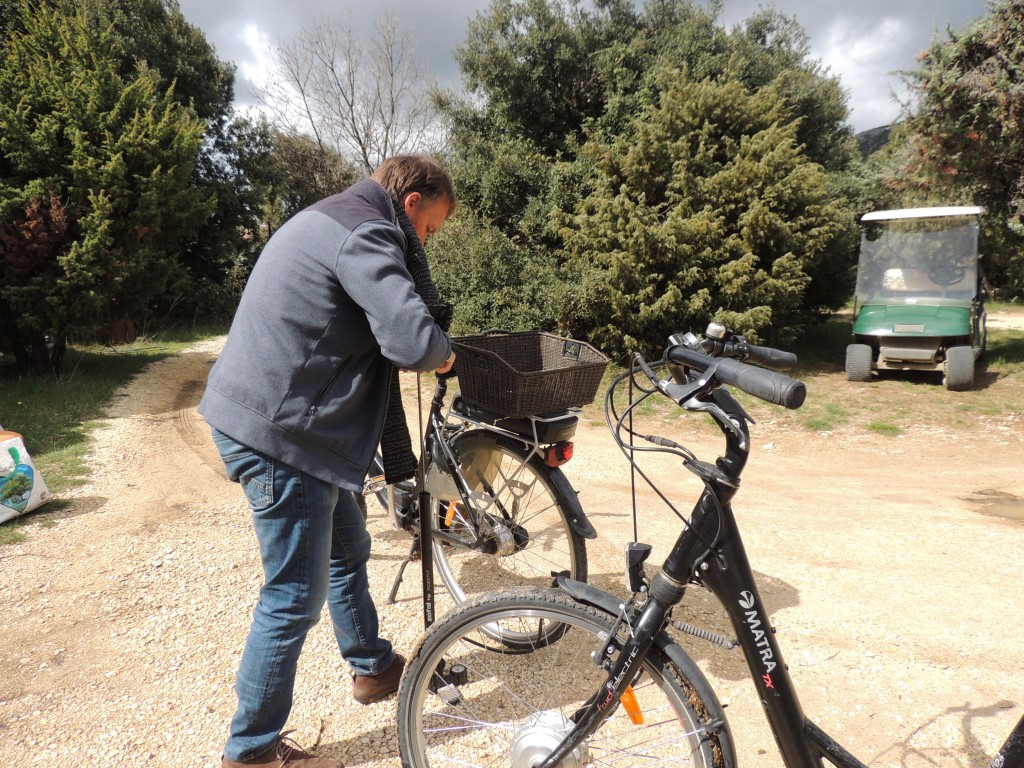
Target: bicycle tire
(512,707)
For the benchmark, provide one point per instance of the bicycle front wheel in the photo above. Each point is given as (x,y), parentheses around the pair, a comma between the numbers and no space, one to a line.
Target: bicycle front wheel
(528,506)
(469,699)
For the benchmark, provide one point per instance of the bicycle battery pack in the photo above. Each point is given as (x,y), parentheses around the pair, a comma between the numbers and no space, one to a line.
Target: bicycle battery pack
(551,428)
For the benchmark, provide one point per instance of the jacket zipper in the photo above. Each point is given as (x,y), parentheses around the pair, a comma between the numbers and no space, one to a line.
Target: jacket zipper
(315,405)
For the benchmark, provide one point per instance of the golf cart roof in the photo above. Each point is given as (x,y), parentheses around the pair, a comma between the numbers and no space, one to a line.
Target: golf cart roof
(924,213)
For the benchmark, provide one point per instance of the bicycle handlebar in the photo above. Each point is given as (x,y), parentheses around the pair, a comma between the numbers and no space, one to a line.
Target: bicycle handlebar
(767,357)
(762,383)
(739,349)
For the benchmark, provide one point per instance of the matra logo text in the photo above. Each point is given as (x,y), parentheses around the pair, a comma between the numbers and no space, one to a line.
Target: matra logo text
(760,637)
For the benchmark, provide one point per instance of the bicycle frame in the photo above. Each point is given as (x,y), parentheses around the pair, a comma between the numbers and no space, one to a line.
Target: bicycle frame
(726,572)
(729,577)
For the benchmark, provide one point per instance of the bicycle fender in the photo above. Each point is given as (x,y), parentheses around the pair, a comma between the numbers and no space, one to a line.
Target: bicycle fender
(719,724)
(610,604)
(577,519)
(582,526)
(588,594)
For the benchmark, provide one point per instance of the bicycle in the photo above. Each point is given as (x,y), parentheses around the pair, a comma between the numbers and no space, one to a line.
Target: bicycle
(500,510)
(615,687)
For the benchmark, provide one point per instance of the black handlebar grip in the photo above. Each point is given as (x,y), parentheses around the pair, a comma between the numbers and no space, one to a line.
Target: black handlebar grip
(769,357)
(760,382)
(768,385)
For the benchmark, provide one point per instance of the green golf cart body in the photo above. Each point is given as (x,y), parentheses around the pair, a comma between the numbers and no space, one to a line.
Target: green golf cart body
(919,303)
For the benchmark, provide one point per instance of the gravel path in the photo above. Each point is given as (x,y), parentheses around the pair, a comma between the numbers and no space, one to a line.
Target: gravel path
(124,615)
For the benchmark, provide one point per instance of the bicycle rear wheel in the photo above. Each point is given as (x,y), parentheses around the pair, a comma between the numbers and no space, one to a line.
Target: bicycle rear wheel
(528,505)
(468,699)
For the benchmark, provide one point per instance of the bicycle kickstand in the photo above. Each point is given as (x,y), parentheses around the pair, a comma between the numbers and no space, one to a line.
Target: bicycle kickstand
(414,554)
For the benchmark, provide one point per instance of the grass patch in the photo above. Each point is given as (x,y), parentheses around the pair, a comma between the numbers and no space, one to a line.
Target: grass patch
(886,428)
(826,417)
(1006,349)
(10,533)
(56,416)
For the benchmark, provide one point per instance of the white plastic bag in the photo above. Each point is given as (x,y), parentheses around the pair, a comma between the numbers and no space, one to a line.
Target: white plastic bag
(21,486)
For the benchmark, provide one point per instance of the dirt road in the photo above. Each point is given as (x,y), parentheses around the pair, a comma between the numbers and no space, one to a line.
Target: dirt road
(892,568)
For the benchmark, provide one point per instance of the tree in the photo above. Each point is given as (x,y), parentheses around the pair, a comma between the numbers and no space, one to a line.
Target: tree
(708,211)
(363,101)
(532,64)
(303,173)
(772,48)
(233,168)
(232,171)
(545,77)
(492,281)
(237,167)
(964,141)
(553,72)
(96,199)
(155,32)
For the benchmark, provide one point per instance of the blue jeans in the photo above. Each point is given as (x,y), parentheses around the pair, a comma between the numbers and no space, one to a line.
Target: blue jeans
(314,546)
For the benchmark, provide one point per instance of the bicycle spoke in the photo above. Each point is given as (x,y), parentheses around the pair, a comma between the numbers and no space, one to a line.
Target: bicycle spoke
(525,535)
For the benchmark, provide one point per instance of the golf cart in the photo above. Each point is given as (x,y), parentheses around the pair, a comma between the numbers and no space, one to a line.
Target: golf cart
(919,303)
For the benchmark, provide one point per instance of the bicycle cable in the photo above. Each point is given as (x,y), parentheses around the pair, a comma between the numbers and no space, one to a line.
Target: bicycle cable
(616,426)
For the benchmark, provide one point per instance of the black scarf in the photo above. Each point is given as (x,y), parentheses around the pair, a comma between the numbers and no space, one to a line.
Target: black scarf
(395,442)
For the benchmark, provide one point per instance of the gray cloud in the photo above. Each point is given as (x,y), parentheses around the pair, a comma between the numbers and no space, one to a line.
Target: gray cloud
(865,42)
(862,41)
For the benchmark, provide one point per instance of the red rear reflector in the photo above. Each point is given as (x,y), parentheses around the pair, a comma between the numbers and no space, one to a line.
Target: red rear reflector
(558,454)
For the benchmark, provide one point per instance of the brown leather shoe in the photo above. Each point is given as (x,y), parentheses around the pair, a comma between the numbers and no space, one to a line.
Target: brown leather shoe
(367,689)
(285,754)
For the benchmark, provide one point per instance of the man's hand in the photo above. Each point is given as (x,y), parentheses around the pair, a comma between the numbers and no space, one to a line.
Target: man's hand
(447,364)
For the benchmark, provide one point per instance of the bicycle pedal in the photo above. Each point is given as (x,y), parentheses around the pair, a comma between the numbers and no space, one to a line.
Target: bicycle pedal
(374,484)
(449,694)
(446,685)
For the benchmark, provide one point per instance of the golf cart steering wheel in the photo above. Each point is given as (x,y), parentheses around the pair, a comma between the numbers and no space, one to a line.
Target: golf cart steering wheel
(946,274)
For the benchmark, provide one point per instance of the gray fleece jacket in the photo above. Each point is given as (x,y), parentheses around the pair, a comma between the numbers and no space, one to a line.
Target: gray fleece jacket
(328,309)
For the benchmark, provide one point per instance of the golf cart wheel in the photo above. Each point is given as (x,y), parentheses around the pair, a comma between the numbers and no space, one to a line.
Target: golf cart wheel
(858,362)
(959,368)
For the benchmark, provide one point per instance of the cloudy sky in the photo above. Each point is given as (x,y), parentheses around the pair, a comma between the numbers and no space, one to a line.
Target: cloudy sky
(862,41)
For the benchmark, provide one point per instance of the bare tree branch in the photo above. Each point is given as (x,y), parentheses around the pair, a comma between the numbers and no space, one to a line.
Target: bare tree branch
(365,102)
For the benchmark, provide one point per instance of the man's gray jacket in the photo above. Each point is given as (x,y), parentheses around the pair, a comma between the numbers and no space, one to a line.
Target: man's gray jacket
(329,308)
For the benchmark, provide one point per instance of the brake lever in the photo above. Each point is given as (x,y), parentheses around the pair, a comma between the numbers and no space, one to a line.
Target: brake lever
(679,393)
(720,416)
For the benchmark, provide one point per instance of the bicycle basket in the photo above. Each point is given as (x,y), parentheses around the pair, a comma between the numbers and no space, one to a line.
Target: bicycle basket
(527,373)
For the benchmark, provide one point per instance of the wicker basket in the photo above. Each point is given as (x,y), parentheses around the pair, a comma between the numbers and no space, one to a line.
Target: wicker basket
(528,373)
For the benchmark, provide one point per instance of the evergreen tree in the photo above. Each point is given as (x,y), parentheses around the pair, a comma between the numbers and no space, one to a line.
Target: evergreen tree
(709,211)
(548,76)
(234,167)
(964,143)
(96,199)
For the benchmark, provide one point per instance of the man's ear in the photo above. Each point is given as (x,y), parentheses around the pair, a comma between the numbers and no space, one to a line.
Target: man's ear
(412,201)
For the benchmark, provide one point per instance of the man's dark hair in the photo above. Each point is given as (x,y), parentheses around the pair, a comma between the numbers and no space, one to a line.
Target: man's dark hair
(403,174)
